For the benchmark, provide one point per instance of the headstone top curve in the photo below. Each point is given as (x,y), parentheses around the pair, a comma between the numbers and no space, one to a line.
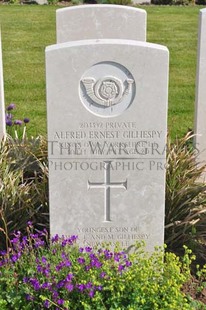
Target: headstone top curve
(102,6)
(106,41)
(100,21)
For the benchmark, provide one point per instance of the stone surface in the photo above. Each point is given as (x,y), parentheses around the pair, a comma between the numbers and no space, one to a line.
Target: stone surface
(107,127)
(200,102)
(2,106)
(41,2)
(100,21)
(141,1)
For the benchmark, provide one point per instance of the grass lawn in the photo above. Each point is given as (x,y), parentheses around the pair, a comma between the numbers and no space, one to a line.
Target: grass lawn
(27,30)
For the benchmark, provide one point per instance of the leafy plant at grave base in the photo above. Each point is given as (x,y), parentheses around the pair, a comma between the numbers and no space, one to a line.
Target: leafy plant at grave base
(39,274)
(23,185)
(185,213)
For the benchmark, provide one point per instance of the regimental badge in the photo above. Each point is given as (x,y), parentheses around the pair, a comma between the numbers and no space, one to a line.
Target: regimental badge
(107,89)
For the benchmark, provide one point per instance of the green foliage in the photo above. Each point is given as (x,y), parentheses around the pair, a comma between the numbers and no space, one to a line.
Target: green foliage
(161,2)
(185,213)
(64,276)
(173,2)
(23,185)
(119,2)
(183,2)
(200,2)
(53,2)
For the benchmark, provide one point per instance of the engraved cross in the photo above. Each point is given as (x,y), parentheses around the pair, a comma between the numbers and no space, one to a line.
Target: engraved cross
(107,185)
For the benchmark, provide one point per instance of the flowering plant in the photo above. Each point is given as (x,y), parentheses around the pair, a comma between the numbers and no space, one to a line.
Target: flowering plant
(38,273)
(16,124)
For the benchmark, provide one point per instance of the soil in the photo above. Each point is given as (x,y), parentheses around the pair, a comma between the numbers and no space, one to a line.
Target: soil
(192,288)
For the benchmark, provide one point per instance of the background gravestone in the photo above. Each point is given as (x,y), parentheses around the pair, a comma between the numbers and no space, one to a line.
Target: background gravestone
(2,106)
(100,22)
(200,102)
(107,127)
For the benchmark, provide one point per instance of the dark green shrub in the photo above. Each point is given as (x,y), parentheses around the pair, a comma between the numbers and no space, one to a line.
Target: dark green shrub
(23,185)
(173,2)
(185,209)
(200,2)
(161,2)
(119,2)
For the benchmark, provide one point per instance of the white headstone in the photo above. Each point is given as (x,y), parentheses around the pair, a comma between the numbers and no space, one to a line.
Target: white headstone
(200,102)
(2,105)
(100,21)
(107,127)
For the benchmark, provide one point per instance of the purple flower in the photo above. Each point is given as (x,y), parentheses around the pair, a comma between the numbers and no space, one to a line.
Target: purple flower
(26,120)
(9,116)
(35,283)
(91,293)
(45,285)
(87,268)
(3,252)
(59,266)
(88,249)
(74,238)
(60,302)
(8,122)
(25,280)
(60,283)
(29,297)
(67,263)
(121,267)
(14,258)
(89,285)
(81,287)
(96,263)
(69,287)
(43,259)
(46,304)
(29,223)
(93,256)
(107,254)
(128,263)
(117,257)
(81,260)
(2,263)
(55,239)
(69,277)
(64,243)
(11,106)
(103,274)
(55,294)
(18,122)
